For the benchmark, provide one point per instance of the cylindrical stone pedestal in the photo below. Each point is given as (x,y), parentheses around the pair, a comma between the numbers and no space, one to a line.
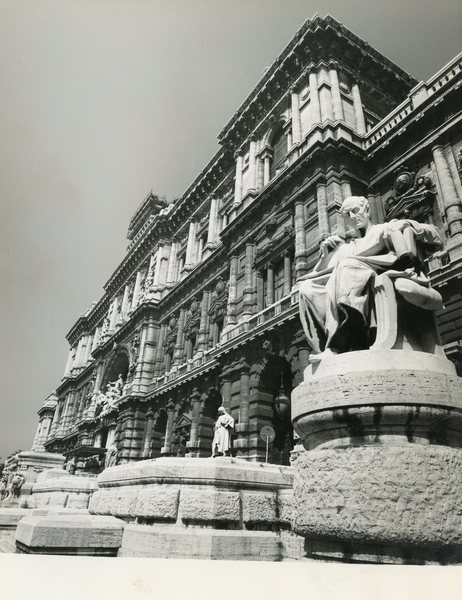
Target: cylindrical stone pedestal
(381,478)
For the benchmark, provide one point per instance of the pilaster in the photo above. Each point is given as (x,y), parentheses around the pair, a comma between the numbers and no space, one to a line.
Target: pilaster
(301,251)
(358,110)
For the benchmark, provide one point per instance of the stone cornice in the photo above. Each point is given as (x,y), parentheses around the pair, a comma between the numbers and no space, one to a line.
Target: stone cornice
(317,39)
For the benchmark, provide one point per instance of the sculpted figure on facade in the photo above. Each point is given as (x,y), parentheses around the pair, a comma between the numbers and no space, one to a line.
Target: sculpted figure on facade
(337,299)
(224,426)
(111,456)
(108,401)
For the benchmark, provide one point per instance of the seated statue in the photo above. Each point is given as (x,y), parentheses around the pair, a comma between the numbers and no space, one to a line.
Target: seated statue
(340,307)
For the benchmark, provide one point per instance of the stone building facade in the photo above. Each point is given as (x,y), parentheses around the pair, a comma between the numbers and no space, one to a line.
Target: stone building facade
(203,309)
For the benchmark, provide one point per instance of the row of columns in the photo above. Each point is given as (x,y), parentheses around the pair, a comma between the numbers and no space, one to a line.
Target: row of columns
(325,104)
(451,201)
(254,299)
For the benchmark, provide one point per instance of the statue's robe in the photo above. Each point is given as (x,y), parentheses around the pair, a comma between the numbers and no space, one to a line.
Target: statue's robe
(222,439)
(341,278)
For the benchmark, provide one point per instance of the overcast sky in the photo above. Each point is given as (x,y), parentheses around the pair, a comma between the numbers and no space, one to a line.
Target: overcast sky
(103,101)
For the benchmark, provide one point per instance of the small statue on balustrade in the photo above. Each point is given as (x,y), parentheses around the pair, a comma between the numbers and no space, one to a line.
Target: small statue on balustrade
(338,299)
(224,427)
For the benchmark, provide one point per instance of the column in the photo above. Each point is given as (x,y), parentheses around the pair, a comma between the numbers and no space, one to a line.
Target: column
(113,320)
(287,274)
(146,355)
(191,249)
(260,173)
(70,360)
(196,412)
(88,349)
(373,200)
(336,95)
(346,189)
(296,122)
(159,355)
(136,290)
(169,428)
(244,396)
(252,165)
(215,334)
(179,344)
(358,110)
(247,304)
(238,179)
(125,307)
(300,240)
(155,262)
(260,291)
(269,284)
(148,433)
(54,423)
(226,390)
(212,233)
(139,364)
(314,99)
(203,326)
(325,98)
(96,337)
(78,355)
(163,268)
(451,201)
(172,264)
(266,167)
(231,311)
(323,214)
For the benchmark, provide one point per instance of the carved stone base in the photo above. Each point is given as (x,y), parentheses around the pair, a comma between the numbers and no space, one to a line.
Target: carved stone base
(380,480)
(397,504)
(218,508)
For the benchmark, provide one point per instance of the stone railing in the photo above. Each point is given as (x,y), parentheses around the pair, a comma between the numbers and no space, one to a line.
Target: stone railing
(198,363)
(419,94)
(268,314)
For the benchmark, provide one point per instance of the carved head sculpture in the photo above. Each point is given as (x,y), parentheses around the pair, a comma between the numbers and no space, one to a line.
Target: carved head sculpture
(357,208)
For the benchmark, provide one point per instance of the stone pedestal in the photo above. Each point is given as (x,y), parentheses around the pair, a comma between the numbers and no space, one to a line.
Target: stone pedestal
(69,533)
(57,488)
(220,508)
(29,464)
(380,479)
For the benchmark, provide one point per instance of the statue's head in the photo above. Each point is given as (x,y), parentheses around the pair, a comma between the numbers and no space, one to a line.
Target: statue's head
(357,208)
(221,410)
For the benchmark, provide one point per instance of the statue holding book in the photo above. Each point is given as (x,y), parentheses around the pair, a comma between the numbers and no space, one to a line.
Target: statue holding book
(349,301)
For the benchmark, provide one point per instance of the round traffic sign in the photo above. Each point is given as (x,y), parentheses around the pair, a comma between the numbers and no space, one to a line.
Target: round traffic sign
(267,433)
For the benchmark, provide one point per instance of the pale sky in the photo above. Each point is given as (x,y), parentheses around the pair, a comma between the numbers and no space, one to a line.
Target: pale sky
(102,101)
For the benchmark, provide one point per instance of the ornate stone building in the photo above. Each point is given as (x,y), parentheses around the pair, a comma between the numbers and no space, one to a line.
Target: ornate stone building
(202,310)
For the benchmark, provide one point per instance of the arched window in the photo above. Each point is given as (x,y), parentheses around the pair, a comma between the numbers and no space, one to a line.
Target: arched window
(279,144)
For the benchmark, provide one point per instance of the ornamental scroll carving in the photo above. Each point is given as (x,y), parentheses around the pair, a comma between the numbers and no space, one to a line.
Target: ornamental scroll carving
(413,197)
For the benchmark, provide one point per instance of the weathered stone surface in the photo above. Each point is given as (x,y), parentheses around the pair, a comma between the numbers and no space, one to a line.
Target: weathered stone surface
(158,502)
(175,542)
(259,507)
(190,471)
(69,534)
(372,377)
(201,497)
(209,505)
(66,491)
(405,495)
